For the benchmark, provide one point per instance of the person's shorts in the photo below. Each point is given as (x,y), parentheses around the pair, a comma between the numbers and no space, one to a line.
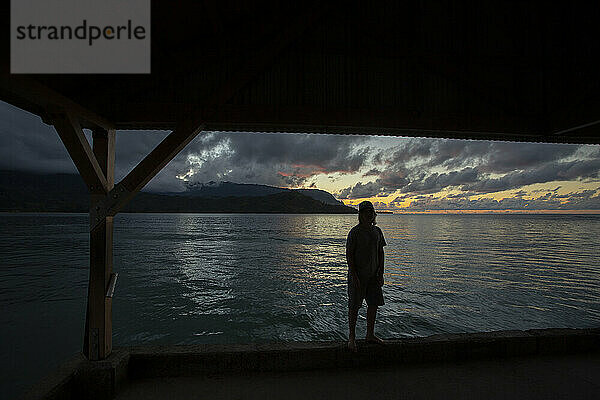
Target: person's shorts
(369,291)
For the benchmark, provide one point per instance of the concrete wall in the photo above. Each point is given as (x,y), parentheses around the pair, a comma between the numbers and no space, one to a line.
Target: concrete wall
(80,378)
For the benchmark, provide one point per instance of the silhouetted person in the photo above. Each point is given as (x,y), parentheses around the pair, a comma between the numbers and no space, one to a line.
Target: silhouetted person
(364,254)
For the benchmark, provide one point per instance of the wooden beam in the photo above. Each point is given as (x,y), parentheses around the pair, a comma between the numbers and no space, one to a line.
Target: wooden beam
(98,322)
(35,97)
(150,166)
(104,151)
(72,136)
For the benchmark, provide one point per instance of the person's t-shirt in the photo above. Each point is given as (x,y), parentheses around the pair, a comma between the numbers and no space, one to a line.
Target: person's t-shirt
(364,243)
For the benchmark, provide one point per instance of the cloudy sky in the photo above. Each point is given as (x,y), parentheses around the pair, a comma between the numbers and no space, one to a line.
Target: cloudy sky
(408,174)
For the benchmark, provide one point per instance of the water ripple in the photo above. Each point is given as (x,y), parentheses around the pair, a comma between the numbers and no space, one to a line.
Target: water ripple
(218,278)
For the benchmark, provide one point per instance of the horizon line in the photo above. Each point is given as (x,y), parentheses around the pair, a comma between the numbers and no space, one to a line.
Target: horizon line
(508,211)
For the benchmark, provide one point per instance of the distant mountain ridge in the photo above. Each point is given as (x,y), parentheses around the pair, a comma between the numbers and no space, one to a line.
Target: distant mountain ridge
(230,189)
(25,191)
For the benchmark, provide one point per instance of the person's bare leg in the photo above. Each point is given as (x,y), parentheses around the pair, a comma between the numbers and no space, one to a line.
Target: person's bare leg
(352,317)
(371,314)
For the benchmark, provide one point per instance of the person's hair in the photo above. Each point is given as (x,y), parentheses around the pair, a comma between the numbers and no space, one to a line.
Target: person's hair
(362,215)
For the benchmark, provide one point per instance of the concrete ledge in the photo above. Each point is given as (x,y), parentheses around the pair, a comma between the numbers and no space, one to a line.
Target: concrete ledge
(80,378)
(162,361)
(60,383)
(103,379)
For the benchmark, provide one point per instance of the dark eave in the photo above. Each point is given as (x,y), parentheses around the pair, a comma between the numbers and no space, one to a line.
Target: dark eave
(499,70)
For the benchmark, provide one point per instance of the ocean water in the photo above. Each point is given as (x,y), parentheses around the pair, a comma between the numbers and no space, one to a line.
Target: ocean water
(239,278)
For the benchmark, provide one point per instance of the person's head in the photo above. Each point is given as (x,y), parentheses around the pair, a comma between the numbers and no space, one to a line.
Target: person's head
(366,213)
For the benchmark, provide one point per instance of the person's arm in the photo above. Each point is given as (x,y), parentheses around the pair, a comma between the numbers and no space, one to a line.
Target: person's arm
(350,259)
(381,259)
(381,263)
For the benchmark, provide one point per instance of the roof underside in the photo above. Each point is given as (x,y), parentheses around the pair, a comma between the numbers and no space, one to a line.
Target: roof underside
(482,70)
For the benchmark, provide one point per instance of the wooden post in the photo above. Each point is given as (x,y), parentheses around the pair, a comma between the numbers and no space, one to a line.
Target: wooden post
(96,166)
(98,324)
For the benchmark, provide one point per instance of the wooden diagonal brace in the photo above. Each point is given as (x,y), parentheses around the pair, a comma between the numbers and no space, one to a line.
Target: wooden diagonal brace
(71,134)
(147,169)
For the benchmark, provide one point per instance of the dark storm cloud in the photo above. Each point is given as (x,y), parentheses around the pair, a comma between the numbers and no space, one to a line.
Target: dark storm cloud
(492,157)
(507,157)
(386,184)
(477,166)
(394,178)
(436,182)
(360,190)
(389,180)
(457,153)
(496,157)
(329,153)
(412,149)
(558,171)
(273,159)
(432,152)
(372,172)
